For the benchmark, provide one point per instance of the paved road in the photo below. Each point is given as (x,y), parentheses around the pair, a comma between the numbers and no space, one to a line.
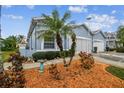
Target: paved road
(114,53)
(107,61)
(112,56)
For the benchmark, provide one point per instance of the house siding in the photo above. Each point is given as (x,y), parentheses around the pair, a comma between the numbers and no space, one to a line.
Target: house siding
(82,32)
(99,41)
(84,42)
(99,36)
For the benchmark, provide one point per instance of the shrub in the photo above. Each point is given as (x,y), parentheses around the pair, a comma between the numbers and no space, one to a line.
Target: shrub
(13,78)
(112,49)
(53,71)
(121,50)
(14,56)
(87,60)
(49,55)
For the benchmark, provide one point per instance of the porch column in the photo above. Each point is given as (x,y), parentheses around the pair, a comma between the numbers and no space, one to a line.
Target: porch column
(42,43)
(56,47)
(35,41)
(92,43)
(31,43)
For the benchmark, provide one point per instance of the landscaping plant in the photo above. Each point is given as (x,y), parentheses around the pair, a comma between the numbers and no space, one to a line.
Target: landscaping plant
(59,27)
(54,72)
(87,60)
(49,55)
(73,46)
(13,77)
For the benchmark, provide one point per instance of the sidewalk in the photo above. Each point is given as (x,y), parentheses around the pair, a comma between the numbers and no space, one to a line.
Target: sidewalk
(97,58)
(110,62)
(111,56)
(35,65)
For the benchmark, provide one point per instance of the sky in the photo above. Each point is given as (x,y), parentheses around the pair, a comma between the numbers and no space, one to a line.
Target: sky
(16,19)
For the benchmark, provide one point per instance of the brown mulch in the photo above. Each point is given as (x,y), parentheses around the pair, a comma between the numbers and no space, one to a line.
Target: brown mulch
(73,77)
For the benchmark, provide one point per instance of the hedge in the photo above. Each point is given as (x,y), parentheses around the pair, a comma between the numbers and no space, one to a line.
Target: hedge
(121,50)
(112,49)
(49,55)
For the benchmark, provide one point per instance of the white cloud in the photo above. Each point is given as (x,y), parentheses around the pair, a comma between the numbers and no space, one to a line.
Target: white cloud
(114,11)
(15,17)
(6,6)
(122,22)
(77,9)
(30,6)
(101,21)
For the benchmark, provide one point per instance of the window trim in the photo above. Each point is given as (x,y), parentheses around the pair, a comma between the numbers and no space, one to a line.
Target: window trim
(49,42)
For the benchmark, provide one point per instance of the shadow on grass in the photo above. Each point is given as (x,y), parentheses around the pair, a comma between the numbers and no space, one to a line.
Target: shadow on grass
(118,72)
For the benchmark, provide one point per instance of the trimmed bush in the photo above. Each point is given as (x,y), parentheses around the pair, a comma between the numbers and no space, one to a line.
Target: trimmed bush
(49,55)
(121,50)
(112,49)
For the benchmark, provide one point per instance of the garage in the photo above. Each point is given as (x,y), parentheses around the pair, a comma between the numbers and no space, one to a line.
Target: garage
(99,45)
(84,45)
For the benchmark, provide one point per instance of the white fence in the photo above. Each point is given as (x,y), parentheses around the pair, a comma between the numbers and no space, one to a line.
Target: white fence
(26,52)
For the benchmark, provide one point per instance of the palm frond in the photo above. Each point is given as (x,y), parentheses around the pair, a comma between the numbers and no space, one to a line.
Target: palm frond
(55,15)
(66,16)
(46,33)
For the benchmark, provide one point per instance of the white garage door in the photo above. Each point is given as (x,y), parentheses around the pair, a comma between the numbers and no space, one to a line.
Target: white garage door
(83,45)
(99,45)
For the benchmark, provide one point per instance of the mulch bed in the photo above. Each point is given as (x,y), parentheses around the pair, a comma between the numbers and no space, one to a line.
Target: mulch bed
(73,77)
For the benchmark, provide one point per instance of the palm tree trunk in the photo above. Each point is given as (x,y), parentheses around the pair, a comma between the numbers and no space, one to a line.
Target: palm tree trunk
(59,43)
(70,60)
(73,46)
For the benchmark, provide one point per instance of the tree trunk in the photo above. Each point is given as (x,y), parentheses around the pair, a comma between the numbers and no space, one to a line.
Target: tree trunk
(1,67)
(70,61)
(59,43)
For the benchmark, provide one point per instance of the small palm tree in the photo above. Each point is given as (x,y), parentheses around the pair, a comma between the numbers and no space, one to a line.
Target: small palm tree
(58,27)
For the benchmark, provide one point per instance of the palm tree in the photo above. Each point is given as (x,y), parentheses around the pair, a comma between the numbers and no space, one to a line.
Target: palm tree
(59,27)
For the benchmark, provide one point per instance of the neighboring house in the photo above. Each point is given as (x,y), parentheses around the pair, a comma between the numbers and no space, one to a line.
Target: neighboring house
(111,38)
(86,39)
(22,44)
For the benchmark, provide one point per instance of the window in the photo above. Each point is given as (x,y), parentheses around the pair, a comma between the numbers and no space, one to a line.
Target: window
(49,43)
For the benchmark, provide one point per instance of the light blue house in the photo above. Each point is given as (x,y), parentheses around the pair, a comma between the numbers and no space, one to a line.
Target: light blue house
(86,39)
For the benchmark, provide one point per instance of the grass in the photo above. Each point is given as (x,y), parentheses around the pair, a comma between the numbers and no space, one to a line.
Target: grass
(118,72)
(6,55)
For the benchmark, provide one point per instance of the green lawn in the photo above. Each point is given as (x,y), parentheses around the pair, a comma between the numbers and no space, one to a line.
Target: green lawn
(118,72)
(6,55)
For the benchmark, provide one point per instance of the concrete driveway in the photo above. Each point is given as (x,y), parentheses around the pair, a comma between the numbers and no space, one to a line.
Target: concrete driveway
(115,59)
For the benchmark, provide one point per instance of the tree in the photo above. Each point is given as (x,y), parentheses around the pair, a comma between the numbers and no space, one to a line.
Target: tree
(120,35)
(59,27)
(11,42)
